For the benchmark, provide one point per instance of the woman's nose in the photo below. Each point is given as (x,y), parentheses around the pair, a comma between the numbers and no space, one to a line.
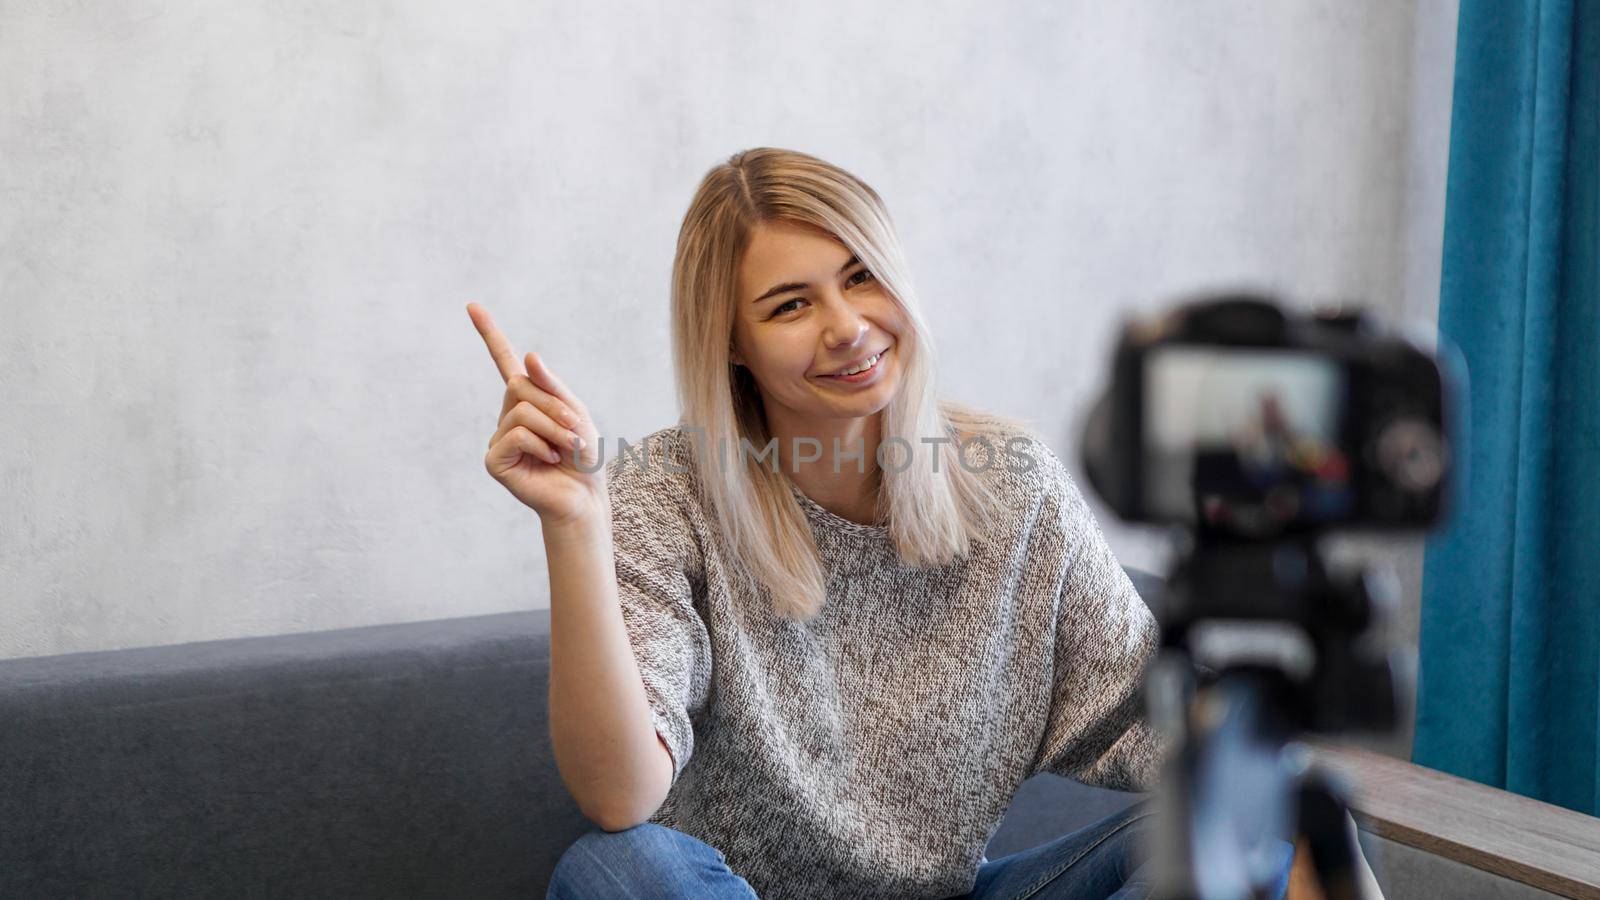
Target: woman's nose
(846,336)
(843,326)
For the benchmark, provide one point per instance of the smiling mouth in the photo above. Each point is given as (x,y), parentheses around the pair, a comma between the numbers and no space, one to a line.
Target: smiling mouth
(876,358)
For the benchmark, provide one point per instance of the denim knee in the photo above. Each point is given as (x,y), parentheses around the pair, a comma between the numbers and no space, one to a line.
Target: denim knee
(596,858)
(638,861)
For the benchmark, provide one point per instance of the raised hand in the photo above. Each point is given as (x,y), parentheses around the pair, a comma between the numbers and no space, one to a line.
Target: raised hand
(545,434)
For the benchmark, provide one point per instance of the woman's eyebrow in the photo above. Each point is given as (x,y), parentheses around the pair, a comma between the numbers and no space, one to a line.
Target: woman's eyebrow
(802,285)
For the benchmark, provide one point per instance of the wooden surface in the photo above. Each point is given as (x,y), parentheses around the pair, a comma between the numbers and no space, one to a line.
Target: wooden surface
(1536,843)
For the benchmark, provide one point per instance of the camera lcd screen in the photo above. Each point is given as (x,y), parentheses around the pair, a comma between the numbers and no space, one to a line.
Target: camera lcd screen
(1245,437)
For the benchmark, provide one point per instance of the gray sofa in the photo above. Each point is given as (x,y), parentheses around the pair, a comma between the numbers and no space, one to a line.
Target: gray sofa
(393,760)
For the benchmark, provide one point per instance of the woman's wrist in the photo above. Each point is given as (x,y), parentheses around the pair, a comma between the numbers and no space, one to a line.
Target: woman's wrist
(592,525)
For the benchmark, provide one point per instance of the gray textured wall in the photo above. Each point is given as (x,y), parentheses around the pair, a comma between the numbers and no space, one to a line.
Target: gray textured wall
(241,393)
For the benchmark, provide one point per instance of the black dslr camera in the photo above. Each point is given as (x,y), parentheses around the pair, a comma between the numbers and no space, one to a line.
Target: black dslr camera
(1253,431)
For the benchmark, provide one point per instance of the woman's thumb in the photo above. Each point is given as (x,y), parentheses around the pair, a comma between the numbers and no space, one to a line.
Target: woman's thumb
(544,378)
(537,373)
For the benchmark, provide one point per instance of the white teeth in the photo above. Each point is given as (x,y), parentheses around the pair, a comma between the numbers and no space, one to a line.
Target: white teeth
(871,361)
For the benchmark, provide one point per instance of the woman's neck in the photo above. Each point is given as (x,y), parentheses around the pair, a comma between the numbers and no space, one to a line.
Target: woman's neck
(851,492)
(847,495)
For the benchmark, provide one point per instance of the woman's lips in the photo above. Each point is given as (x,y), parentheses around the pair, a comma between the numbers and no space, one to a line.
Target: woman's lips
(865,374)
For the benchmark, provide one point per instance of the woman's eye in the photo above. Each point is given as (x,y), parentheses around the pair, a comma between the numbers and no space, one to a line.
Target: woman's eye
(849,282)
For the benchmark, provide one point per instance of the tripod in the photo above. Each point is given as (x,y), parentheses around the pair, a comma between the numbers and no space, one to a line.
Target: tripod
(1286,648)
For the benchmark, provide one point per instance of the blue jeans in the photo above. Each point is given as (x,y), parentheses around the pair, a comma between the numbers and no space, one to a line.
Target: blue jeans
(1098,861)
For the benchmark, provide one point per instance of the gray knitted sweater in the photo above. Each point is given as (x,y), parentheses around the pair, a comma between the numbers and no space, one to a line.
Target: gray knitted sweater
(872,751)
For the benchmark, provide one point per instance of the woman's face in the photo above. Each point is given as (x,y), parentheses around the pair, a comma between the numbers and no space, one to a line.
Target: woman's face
(828,314)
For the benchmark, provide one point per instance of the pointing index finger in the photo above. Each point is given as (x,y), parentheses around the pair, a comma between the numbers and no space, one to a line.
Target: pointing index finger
(505,358)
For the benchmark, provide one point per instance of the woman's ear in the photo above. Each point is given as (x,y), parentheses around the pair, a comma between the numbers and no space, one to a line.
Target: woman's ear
(734,357)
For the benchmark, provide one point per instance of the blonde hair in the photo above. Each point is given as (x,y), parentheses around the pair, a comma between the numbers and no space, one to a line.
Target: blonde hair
(934,511)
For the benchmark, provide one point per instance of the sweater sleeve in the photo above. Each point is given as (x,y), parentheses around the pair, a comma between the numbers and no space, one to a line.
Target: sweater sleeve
(658,571)
(1105,636)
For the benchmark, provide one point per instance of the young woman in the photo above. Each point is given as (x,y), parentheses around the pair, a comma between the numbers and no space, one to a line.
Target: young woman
(822,672)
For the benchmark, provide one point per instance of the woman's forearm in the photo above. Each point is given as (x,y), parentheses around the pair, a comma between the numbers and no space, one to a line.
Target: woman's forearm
(606,747)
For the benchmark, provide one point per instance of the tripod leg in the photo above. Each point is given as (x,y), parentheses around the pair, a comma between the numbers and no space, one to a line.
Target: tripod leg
(1335,853)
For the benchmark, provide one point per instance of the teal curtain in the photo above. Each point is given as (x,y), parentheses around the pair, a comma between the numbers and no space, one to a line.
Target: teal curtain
(1508,690)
